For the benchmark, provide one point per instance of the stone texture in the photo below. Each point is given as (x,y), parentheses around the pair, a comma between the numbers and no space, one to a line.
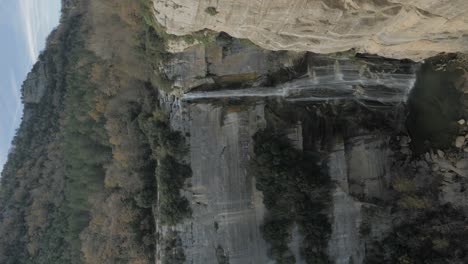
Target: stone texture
(324,79)
(462,164)
(35,85)
(345,245)
(368,158)
(223,63)
(459,141)
(414,29)
(227,209)
(360,167)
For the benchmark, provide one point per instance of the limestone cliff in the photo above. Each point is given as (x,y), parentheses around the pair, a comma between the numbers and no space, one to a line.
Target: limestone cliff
(414,29)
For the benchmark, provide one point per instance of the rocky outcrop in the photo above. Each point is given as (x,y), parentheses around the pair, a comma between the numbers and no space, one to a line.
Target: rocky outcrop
(35,85)
(225,62)
(414,29)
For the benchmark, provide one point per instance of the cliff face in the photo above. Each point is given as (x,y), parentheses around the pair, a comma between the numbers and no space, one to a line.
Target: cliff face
(35,85)
(227,209)
(225,96)
(226,91)
(414,29)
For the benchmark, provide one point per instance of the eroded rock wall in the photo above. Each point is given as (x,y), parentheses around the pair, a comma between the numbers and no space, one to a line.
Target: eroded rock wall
(227,208)
(360,167)
(414,29)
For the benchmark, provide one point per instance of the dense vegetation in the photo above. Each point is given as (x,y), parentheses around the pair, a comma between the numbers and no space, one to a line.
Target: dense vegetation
(81,183)
(296,192)
(437,235)
(425,231)
(172,248)
(40,218)
(435,104)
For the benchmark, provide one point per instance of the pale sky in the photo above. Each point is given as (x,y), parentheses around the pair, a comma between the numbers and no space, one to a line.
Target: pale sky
(24,26)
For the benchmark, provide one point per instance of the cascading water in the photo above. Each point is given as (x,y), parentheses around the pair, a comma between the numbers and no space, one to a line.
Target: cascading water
(328,79)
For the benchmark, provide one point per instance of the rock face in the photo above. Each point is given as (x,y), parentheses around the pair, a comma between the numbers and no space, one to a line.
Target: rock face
(360,166)
(344,243)
(414,29)
(221,68)
(35,85)
(221,94)
(227,209)
(225,62)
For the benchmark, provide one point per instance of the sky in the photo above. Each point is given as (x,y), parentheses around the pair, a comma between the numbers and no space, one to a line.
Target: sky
(24,27)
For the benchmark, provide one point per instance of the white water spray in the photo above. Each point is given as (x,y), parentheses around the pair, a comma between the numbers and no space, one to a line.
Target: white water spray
(329,82)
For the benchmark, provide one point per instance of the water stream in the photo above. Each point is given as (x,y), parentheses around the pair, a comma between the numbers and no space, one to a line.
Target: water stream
(338,80)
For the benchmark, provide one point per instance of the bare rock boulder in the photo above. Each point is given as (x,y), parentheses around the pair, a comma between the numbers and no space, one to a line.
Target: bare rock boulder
(459,141)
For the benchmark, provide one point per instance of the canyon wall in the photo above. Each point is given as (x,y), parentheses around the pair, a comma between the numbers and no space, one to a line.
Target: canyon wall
(218,102)
(414,29)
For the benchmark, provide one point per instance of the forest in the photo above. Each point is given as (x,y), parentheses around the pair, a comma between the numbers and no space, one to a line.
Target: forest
(81,182)
(296,191)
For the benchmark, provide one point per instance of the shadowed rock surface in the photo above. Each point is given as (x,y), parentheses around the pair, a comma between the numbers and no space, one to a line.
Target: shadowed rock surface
(227,209)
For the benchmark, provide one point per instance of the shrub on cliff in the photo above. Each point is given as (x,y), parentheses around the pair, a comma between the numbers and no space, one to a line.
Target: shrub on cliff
(296,191)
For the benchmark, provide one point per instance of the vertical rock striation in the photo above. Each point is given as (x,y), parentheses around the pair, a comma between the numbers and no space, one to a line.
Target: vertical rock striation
(227,209)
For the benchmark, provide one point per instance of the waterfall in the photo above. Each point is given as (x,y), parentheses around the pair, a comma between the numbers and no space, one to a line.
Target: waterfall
(340,80)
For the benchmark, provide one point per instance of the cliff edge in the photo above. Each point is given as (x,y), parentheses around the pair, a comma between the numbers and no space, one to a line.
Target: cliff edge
(413,29)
